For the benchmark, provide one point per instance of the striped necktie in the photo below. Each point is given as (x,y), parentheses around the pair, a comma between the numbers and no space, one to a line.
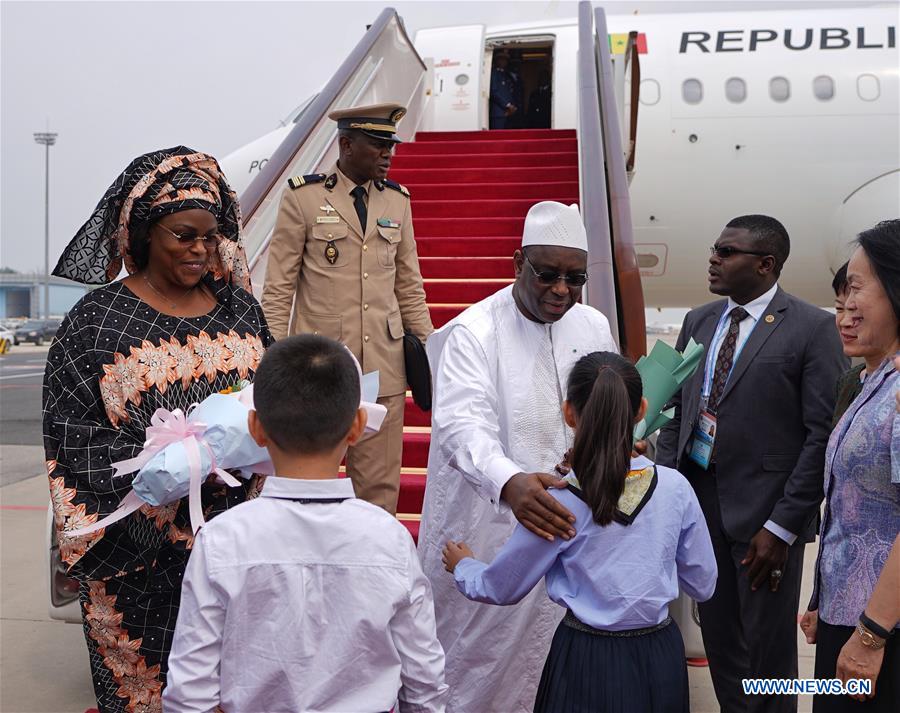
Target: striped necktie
(725,359)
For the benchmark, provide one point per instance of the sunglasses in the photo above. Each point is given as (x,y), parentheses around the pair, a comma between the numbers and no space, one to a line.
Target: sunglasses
(548,277)
(187,239)
(726,252)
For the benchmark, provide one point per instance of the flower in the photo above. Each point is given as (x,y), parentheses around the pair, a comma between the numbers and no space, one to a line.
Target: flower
(104,622)
(243,355)
(71,549)
(183,362)
(126,374)
(122,655)
(61,498)
(154,705)
(140,685)
(113,401)
(256,343)
(157,362)
(161,515)
(211,353)
(177,534)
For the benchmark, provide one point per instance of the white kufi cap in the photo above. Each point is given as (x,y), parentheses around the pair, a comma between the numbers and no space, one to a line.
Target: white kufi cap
(551,223)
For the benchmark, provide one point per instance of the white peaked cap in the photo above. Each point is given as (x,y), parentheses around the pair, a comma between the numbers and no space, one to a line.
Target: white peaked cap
(552,223)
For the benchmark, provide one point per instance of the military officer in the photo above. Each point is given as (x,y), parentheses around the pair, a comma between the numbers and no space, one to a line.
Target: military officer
(343,256)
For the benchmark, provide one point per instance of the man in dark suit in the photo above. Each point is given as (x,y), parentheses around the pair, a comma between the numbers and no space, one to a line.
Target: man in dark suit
(749,433)
(503,93)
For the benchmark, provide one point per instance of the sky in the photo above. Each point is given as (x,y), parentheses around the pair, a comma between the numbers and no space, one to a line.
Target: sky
(118,79)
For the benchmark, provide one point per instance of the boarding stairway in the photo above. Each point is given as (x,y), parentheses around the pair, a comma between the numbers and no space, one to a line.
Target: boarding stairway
(470,193)
(471,190)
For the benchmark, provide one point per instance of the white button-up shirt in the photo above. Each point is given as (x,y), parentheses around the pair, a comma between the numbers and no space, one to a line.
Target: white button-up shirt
(294,605)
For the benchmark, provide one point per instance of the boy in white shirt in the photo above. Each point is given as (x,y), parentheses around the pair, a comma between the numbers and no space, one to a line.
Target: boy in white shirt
(305,599)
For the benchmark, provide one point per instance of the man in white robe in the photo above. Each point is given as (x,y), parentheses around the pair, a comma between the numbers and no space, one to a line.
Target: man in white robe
(497,433)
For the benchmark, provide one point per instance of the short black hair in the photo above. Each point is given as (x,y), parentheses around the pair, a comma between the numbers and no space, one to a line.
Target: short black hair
(306,393)
(839,283)
(768,233)
(881,245)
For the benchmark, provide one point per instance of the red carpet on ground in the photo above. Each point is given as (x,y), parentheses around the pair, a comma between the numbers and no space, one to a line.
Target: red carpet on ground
(470,193)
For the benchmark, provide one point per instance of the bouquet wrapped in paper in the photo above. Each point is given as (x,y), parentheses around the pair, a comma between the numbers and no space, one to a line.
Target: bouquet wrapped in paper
(663,371)
(182,450)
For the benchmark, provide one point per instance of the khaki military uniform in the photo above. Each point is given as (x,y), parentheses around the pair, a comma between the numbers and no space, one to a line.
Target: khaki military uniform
(360,289)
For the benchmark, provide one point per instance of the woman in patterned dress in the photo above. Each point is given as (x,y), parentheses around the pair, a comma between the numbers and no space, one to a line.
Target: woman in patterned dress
(181,326)
(861,518)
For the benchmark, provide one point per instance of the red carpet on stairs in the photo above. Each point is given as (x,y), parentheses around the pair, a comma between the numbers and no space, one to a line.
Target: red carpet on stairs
(470,193)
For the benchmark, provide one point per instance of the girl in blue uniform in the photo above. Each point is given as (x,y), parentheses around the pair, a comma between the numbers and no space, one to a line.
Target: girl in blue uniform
(640,535)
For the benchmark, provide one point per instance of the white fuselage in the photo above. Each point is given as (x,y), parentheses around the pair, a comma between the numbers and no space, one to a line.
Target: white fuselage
(795,114)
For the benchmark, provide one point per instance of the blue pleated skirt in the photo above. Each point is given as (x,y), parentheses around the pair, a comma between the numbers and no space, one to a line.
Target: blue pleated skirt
(592,672)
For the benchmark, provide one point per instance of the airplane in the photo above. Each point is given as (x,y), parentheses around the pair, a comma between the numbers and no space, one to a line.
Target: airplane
(790,113)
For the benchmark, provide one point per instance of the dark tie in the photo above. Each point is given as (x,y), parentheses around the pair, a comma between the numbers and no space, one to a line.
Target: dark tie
(359,202)
(725,359)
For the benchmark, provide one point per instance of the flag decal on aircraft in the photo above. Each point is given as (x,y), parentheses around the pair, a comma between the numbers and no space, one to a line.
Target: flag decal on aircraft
(619,41)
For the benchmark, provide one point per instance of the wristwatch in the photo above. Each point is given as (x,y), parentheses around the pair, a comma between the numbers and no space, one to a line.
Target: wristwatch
(869,639)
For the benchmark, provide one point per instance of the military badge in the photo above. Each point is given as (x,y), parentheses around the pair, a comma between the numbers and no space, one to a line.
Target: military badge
(331,252)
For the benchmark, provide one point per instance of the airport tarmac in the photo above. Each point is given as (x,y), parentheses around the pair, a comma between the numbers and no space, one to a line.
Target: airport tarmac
(43,663)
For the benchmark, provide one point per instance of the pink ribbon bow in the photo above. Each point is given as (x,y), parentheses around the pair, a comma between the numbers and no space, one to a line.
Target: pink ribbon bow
(166,428)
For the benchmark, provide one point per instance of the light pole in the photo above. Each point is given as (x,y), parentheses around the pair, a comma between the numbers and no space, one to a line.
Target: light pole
(47,138)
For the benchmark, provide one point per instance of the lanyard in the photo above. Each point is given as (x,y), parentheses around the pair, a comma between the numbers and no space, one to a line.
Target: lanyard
(712,357)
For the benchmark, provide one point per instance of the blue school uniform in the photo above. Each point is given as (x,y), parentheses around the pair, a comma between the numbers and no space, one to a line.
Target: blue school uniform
(617,648)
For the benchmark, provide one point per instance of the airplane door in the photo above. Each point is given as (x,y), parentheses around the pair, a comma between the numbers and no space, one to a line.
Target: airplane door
(457,54)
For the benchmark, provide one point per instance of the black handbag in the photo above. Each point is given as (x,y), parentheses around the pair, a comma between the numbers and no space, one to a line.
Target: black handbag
(418,373)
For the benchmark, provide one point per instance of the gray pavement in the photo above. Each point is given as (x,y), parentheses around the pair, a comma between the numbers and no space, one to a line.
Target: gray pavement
(21,376)
(43,663)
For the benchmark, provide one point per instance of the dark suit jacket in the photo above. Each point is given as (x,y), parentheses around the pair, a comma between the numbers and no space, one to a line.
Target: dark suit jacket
(774,416)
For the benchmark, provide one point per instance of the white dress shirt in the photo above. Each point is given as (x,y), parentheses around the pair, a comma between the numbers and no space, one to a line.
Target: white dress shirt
(755,311)
(305,606)
(499,382)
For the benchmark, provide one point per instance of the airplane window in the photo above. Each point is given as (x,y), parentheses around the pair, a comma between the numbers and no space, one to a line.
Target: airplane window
(823,87)
(867,87)
(649,92)
(692,91)
(736,90)
(779,89)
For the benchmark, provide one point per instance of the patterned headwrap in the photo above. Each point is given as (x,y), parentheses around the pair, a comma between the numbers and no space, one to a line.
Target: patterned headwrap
(154,185)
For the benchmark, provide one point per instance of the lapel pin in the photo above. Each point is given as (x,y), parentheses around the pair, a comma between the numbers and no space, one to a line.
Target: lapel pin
(770,318)
(328,209)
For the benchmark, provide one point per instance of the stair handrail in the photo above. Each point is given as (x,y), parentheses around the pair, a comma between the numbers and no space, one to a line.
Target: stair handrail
(313,137)
(601,289)
(633,329)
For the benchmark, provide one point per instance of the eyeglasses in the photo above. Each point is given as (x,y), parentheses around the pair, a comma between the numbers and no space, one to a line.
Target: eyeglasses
(726,252)
(186,240)
(548,277)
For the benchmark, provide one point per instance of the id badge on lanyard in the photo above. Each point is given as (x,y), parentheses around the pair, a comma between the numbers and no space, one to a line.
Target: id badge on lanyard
(704,436)
(704,439)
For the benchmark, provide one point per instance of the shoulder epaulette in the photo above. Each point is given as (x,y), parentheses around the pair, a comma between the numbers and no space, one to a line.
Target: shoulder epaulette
(297,181)
(396,186)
